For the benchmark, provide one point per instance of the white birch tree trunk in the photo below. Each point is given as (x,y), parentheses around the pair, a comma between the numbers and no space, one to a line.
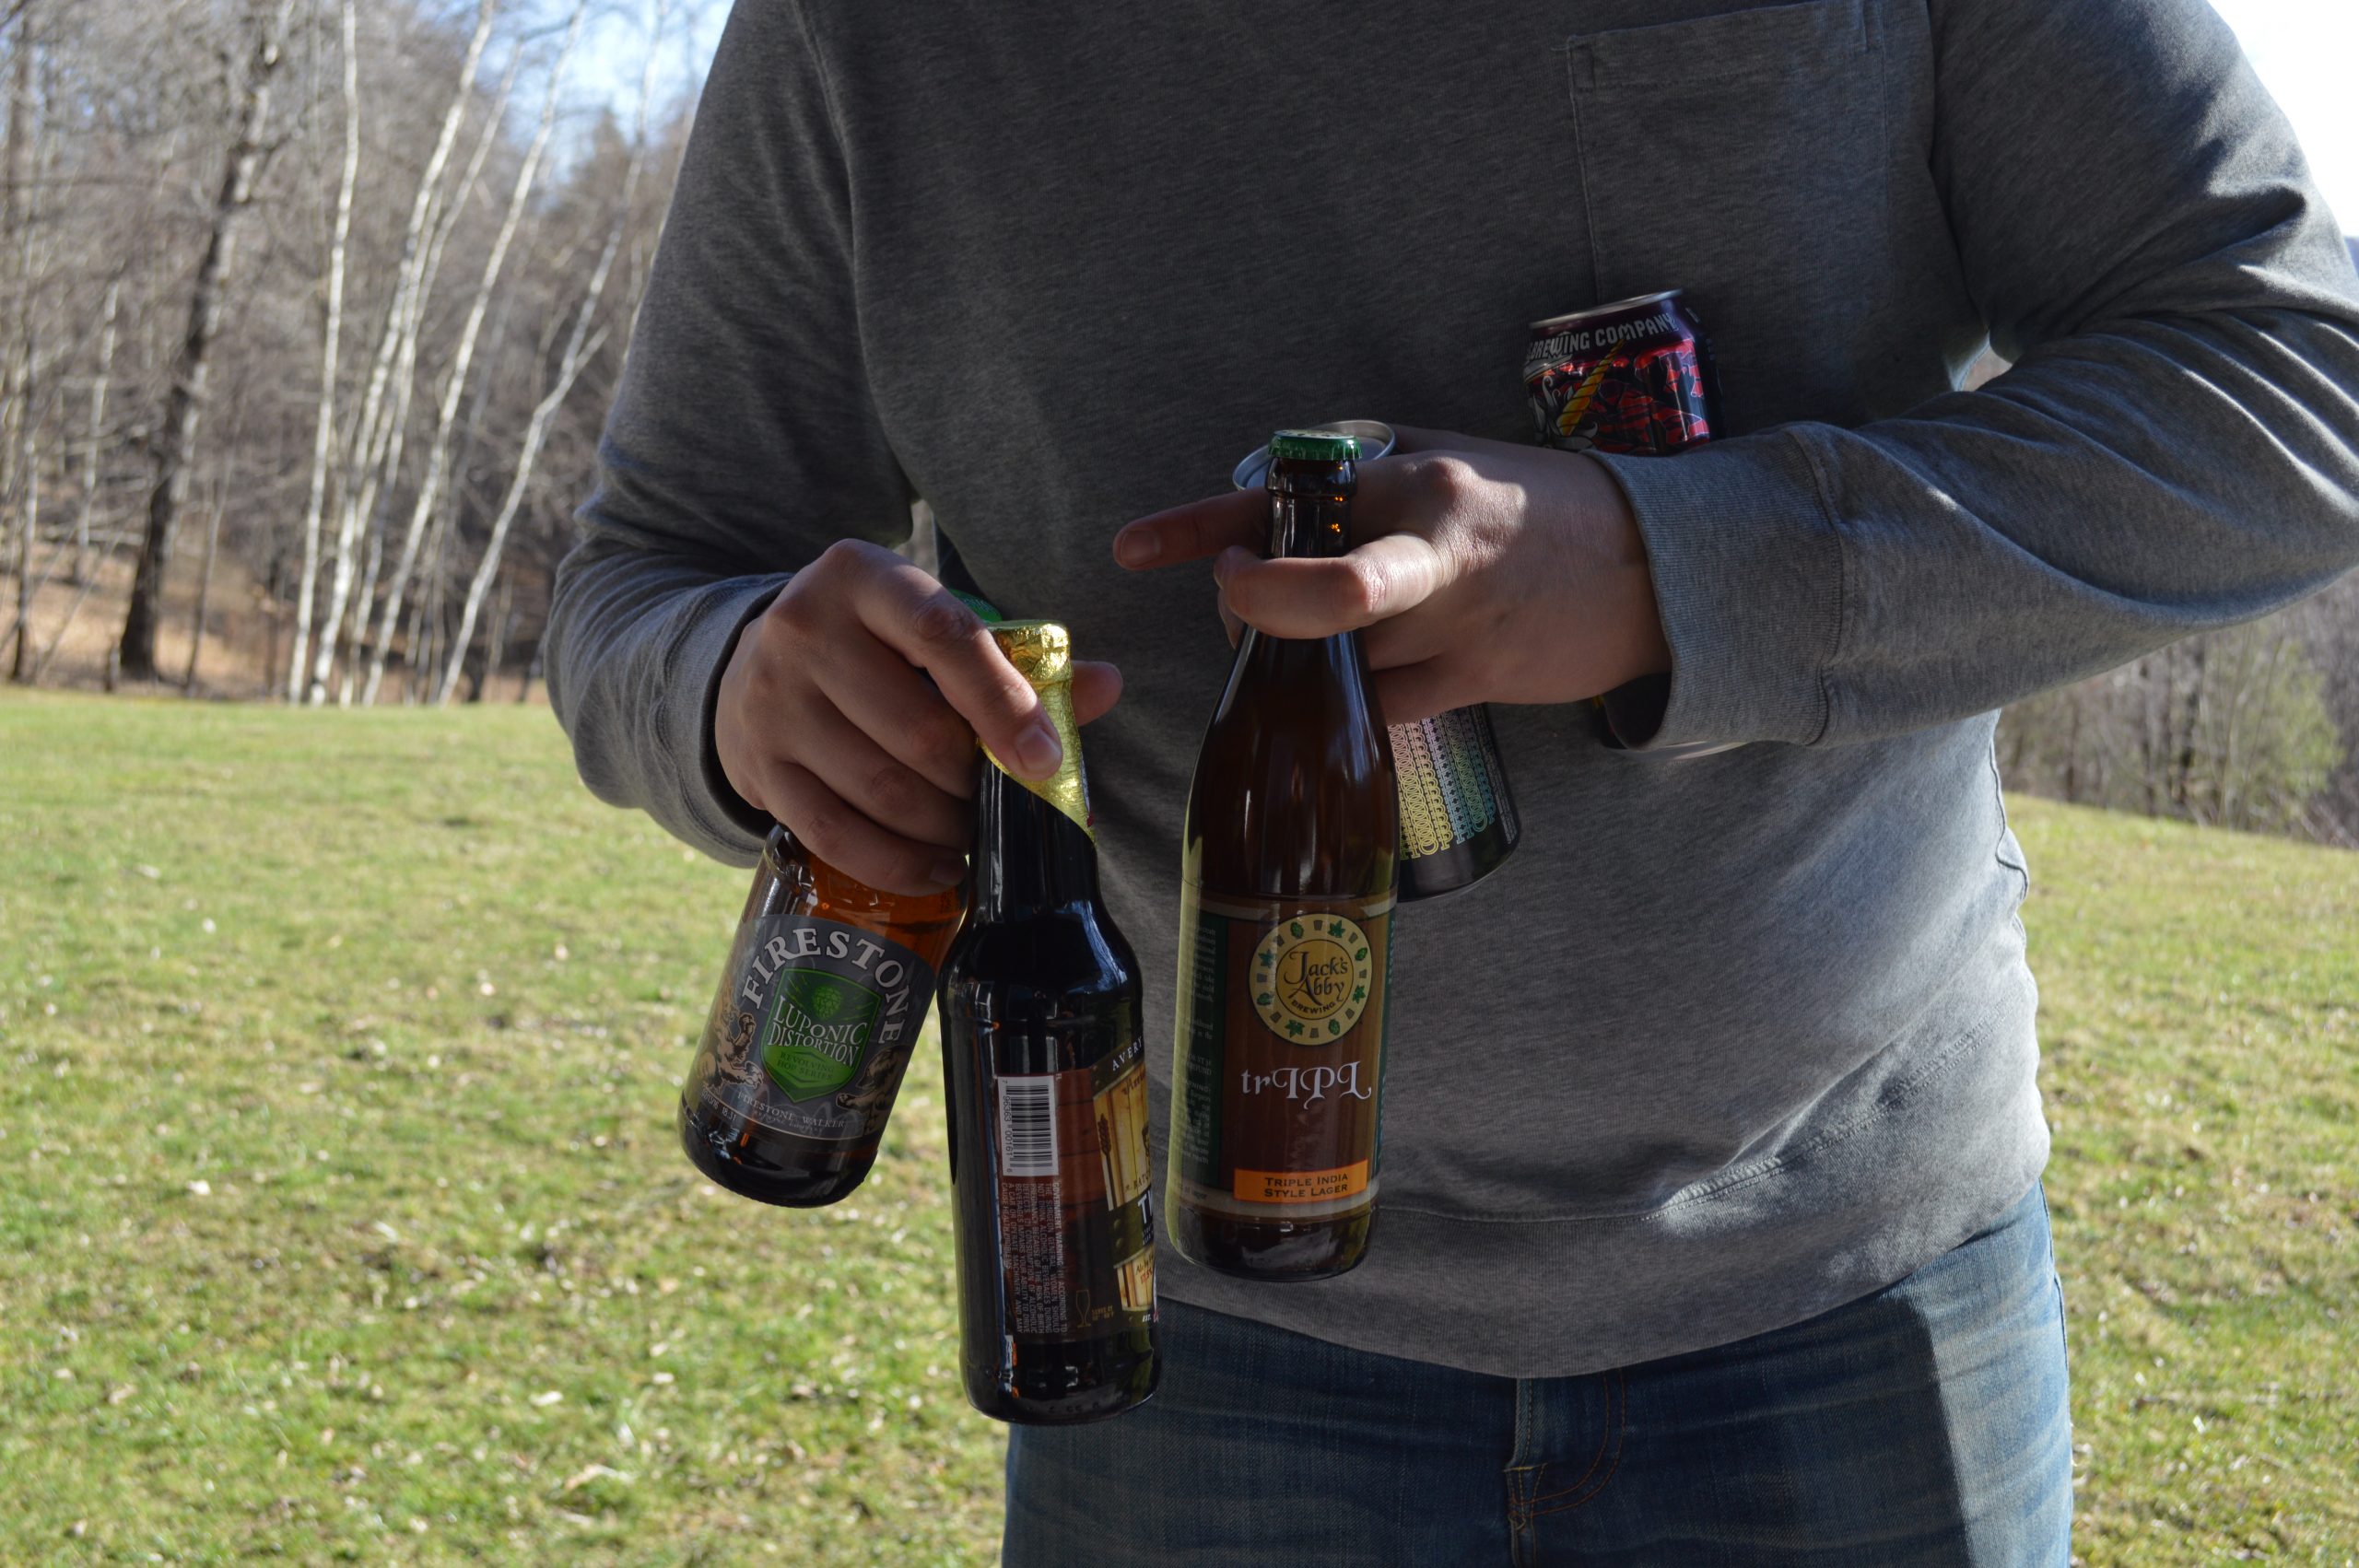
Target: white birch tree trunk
(380,470)
(323,433)
(578,349)
(99,391)
(405,277)
(454,387)
(28,518)
(19,485)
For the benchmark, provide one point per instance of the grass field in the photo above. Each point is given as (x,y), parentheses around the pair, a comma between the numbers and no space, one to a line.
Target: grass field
(342,1217)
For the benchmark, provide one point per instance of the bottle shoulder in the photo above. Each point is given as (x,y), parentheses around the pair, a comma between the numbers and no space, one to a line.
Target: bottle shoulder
(1075,948)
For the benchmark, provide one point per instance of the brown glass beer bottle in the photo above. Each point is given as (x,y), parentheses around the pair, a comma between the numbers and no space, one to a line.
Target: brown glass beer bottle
(1044,1053)
(826,986)
(1289,868)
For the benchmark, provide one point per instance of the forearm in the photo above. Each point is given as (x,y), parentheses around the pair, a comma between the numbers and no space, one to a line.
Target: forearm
(2176,447)
(636,644)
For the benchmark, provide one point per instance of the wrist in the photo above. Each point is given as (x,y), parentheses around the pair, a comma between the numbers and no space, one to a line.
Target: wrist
(1636,645)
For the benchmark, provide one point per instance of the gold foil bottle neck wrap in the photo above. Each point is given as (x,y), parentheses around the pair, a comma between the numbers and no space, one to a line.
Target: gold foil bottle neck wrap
(1043,653)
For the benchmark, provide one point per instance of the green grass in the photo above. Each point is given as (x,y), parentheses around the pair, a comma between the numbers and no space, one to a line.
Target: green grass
(336,1128)
(2199,1019)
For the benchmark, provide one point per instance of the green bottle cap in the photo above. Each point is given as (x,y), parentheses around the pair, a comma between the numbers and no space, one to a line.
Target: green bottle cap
(982,607)
(1314,446)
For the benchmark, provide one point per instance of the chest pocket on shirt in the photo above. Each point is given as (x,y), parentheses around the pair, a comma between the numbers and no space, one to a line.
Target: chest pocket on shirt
(1745,159)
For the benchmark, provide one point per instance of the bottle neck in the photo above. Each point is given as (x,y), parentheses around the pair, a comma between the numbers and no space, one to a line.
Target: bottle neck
(1029,858)
(1310,510)
(1310,518)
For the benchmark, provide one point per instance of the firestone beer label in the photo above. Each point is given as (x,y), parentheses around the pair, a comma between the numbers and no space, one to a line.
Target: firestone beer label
(816,1029)
(1077,1236)
(1633,376)
(1278,1081)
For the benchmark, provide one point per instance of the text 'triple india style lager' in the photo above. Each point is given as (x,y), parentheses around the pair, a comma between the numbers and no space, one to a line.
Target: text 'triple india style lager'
(1290,866)
(826,986)
(1044,1056)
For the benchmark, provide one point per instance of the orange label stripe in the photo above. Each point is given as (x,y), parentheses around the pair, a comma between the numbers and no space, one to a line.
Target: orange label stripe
(1301,1186)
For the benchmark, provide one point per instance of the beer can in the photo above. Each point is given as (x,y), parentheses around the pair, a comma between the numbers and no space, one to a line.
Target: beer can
(1458,819)
(1632,378)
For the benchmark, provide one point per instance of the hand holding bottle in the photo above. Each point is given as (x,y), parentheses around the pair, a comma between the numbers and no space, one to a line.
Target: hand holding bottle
(827,722)
(1488,572)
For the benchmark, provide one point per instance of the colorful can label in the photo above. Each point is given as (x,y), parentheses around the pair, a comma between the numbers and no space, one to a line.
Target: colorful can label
(815,1029)
(1076,1233)
(1453,786)
(1633,377)
(1278,1088)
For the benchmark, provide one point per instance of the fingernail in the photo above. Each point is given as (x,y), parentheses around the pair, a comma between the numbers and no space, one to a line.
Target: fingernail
(949,869)
(1137,549)
(1039,751)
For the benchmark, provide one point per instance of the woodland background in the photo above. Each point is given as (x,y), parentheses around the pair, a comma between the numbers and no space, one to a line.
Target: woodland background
(310,311)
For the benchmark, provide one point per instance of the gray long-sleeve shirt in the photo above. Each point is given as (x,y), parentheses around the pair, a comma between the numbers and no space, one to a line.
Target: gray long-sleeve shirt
(1731,1040)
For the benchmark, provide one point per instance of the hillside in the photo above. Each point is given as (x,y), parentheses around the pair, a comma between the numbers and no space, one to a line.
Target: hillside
(343,1216)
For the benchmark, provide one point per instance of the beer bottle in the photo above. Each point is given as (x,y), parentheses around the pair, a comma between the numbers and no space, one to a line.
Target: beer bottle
(1289,867)
(1044,1054)
(826,986)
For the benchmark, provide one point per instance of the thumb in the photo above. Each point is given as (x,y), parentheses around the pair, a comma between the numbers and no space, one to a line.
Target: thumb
(1097,688)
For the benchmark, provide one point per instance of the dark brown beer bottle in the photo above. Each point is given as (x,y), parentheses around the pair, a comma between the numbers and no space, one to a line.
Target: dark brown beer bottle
(1044,1053)
(827,987)
(1290,859)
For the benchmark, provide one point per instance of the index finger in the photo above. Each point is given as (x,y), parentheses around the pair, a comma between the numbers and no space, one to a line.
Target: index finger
(925,623)
(1196,530)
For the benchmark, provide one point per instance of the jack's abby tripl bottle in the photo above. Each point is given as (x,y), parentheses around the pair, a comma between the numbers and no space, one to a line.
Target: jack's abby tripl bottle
(1044,1054)
(826,986)
(1290,860)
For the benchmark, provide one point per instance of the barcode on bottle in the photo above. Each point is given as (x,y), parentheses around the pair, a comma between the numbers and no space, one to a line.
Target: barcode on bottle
(1027,1126)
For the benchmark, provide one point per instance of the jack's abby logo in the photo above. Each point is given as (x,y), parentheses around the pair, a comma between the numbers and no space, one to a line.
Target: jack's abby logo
(1310,978)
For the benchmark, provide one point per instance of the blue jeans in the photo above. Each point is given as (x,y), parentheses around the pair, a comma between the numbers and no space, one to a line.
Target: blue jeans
(1925,1424)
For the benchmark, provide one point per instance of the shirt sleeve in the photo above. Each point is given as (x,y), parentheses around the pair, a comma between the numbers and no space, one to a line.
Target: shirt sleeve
(2173,449)
(743,439)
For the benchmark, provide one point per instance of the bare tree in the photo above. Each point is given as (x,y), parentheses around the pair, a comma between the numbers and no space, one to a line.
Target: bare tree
(100,387)
(185,401)
(383,471)
(365,222)
(406,279)
(438,456)
(19,427)
(219,503)
(579,348)
(324,434)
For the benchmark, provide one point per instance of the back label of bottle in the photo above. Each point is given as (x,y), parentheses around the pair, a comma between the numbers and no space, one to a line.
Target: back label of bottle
(1077,1242)
(1278,1088)
(816,1029)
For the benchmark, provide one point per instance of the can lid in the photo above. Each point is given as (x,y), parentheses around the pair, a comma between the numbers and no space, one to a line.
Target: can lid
(1314,446)
(1636,302)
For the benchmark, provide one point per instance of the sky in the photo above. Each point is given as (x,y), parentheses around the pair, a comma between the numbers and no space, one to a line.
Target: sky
(2306,52)
(614,51)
